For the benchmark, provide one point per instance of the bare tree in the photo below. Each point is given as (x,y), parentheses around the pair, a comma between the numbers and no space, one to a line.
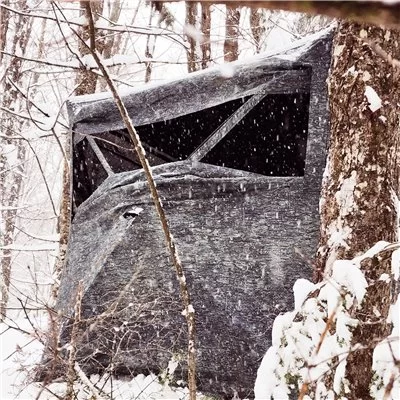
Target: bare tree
(16,30)
(257,25)
(86,79)
(205,30)
(191,23)
(231,44)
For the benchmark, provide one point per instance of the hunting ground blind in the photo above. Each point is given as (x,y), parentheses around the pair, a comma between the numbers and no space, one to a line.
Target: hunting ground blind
(238,154)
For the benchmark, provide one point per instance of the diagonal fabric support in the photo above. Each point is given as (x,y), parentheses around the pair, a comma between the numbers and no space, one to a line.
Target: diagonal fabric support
(227,126)
(100,156)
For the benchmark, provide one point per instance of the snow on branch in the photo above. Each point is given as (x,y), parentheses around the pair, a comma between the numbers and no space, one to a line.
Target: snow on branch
(311,344)
(33,247)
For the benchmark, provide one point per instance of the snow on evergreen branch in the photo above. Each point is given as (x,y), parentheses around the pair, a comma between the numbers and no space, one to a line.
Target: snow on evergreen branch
(310,344)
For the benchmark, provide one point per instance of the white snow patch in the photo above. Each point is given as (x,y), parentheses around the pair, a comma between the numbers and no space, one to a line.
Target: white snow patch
(385,278)
(301,290)
(227,70)
(135,210)
(396,264)
(384,355)
(193,33)
(373,251)
(345,196)
(19,354)
(349,275)
(190,309)
(102,23)
(338,235)
(375,102)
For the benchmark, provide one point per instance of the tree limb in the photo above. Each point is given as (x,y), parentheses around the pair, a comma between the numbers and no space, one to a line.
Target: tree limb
(369,12)
(179,270)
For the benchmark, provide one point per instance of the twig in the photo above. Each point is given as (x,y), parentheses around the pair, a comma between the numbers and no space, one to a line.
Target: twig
(72,345)
(305,385)
(38,336)
(117,28)
(96,395)
(43,177)
(189,311)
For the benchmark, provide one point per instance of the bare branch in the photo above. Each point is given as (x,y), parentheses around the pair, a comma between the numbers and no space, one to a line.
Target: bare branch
(189,311)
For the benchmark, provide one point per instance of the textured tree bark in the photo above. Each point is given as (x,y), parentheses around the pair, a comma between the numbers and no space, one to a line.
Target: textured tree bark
(4,21)
(191,20)
(359,204)
(150,46)
(205,30)
(258,27)
(371,12)
(231,44)
(64,219)
(112,42)
(86,79)
(359,195)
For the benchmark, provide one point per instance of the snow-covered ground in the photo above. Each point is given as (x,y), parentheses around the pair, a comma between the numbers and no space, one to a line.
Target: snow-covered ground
(21,352)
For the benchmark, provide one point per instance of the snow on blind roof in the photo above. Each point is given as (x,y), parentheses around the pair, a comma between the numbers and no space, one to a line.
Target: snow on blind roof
(151,103)
(293,52)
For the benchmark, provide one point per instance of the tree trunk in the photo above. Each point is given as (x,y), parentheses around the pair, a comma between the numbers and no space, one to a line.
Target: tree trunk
(12,151)
(359,204)
(86,79)
(205,30)
(191,20)
(150,46)
(231,44)
(258,27)
(370,12)
(111,43)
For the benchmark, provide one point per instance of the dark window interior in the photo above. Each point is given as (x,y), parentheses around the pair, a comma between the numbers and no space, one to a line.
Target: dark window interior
(179,137)
(88,172)
(270,140)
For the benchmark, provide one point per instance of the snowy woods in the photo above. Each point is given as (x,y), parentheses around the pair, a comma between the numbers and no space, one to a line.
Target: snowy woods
(340,341)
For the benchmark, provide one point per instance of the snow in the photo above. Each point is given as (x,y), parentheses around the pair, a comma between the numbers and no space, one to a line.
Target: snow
(189,309)
(375,102)
(373,251)
(193,33)
(298,353)
(134,211)
(227,70)
(21,352)
(266,384)
(396,264)
(102,23)
(384,355)
(81,20)
(349,275)
(301,290)
(345,196)
(293,52)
